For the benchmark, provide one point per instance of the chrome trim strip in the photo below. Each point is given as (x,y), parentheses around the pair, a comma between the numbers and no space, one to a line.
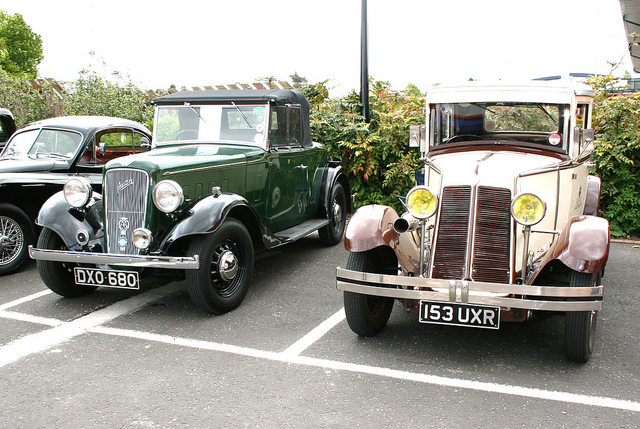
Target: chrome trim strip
(207,168)
(463,291)
(144,261)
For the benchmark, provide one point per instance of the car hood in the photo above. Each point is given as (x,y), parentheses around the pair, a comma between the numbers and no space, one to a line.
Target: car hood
(489,168)
(186,157)
(9,165)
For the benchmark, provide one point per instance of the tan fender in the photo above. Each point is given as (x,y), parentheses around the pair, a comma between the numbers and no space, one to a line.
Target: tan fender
(583,245)
(372,226)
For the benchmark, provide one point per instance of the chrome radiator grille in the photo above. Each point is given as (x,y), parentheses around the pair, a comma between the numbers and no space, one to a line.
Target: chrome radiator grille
(486,243)
(125,196)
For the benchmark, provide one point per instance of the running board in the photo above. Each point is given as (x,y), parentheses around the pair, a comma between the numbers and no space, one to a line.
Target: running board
(302,230)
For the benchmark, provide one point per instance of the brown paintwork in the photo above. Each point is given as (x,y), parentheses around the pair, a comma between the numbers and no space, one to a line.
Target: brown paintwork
(531,148)
(592,201)
(582,246)
(372,226)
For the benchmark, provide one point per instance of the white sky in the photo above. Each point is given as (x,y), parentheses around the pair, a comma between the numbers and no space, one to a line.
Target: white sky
(209,42)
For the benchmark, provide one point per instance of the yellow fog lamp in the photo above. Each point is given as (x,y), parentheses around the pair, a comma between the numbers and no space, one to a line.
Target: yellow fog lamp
(421,202)
(528,209)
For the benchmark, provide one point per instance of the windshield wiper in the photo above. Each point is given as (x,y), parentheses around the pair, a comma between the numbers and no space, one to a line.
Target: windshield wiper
(242,113)
(187,104)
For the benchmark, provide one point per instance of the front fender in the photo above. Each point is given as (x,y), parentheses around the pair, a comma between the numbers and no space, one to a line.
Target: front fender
(584,244)
(372,226)
(57,215)
(204,217)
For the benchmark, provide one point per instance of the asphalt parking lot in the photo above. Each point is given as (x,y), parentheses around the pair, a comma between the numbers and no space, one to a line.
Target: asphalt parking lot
(286,358)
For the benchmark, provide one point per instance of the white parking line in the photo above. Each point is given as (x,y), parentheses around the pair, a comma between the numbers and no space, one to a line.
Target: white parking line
(24,299)
(550,395)
(92,323)
(48,338)
(318,332)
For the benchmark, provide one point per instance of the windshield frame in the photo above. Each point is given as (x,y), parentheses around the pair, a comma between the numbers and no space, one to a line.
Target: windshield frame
(30,149)
(455,124)
(211,123)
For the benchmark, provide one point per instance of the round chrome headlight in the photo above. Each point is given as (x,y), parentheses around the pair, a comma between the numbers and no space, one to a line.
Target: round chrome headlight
(422,203)
(528,209)
(168,196)
(142,238)
(77,191)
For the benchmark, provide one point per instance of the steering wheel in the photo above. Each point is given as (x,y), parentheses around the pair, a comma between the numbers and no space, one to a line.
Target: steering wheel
(464,138)
(183,135)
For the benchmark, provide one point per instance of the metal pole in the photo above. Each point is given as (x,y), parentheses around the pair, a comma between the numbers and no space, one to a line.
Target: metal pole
(364,64)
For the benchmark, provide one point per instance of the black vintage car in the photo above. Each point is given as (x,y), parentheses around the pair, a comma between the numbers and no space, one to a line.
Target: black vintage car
(39,159)
(7,126)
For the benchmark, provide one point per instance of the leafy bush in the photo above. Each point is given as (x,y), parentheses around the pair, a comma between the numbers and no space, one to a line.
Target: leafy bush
(616,122)
(26,102)
(376,156)
(92,95)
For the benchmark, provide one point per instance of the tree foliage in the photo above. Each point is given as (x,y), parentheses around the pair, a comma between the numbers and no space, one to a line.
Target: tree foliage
(376,155)
(616,123)
(92,95)
(26,102)
(20,47)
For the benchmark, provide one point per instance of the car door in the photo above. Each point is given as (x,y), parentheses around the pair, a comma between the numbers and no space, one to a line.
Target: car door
(289,181)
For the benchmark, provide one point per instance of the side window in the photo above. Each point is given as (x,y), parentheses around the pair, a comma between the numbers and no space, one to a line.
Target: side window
(582,114)
(278,126)
(295,130)
(114,143)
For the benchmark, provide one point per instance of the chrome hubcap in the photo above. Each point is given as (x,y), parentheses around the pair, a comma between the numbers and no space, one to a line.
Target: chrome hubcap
(228,266)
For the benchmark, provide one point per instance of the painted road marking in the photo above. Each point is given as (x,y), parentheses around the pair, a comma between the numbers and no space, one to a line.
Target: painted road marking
(62,332)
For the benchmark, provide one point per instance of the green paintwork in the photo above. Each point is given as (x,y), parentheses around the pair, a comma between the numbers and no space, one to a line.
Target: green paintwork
(282,186)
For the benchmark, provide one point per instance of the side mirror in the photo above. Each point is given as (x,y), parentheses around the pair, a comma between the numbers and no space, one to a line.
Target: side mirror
(585,140)
(417,137)
(101,149)
(145,143)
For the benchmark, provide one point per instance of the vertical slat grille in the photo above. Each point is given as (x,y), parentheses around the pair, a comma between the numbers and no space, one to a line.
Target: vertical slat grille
(450,255)
(125,195)
(492,235)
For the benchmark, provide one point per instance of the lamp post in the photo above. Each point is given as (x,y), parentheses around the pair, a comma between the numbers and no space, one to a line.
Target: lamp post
(364,66)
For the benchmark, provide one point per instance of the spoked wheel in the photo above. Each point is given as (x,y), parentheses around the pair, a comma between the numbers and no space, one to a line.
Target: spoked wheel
(226,263)
(16,233)
(367,315)
(58,276)
(580,326)
(333,232)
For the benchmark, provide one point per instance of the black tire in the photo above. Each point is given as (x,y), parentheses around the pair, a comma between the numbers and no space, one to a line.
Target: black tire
(58,276)
(16,234)
(580,326)
(212,289)
(333,232)
(367,315)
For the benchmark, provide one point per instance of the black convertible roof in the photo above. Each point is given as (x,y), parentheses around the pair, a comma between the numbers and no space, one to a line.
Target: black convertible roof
(247,96)
(277,96)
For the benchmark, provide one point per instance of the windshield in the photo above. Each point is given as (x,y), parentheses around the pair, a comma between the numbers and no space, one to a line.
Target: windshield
(537,123)
(43,143)
(229,123)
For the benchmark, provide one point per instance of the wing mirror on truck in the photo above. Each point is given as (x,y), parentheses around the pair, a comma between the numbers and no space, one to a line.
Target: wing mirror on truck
(585,141)
(418,137)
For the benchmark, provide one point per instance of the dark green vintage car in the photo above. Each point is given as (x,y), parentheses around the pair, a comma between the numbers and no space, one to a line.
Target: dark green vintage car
(229,172)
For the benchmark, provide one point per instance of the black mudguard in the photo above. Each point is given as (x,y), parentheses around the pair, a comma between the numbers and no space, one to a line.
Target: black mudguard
(66,221)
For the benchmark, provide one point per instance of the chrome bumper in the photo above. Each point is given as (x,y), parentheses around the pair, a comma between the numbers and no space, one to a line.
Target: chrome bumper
(143,261)
(549,298)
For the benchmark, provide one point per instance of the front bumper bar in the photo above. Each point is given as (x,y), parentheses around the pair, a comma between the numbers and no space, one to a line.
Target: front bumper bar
(142,261)
(548,298)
